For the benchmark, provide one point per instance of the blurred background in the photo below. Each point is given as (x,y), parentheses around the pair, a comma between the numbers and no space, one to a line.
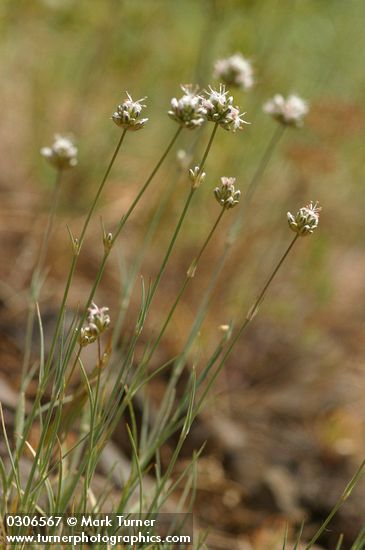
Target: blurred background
(285,425)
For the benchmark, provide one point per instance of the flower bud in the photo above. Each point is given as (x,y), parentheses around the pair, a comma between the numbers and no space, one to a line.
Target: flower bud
(196,177)
(226,194)
(98,317)
(108,242)
(87,336)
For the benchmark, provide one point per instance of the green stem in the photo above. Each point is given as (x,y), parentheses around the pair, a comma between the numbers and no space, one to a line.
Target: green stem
(209,236)
(345,495)
(255,180)
(171,246)
(76,255)
(153,290)
(265,159)
(206,153)
(69,378)
(94,412)
(233,232)
(54,205)
(101,187)
(188,278)
(120,226)
(68,285)
(182,216)
(270,279)
(124,218)
(249,317)
(35,282)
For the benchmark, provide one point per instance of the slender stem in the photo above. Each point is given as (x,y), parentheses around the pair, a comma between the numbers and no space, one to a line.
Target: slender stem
(73,367)
(255,180)
(69,280)
(210,235)
(153,290)
(120,226)
(35,282)
(249,317)
(126,291)
(94,412)
(99,353)
(263,292)
(234,229)
(187,280)
(145,185)
(206,153)
(265,159)
(101,187)
(47,234)
(345,495)
(171,245)
(75,257)
(182,216)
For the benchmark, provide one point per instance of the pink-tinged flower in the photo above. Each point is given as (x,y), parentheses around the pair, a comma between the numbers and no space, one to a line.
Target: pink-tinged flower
(289,111)
(235,70)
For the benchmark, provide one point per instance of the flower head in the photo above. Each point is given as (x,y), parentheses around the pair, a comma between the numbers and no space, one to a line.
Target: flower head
(219,108)
(188,110)
(62,154)
(98,317)
(306,219)
(98,320)
(196,176)
(128,114)
(234,71)
(87,336)
(289,111)
(226,194)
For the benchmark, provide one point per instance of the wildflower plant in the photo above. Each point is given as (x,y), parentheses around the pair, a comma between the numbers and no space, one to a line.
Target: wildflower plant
(62,469)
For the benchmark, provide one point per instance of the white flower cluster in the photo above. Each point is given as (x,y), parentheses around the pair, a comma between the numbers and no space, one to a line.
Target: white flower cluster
(306,219)
(235,70)
(219,108)
(62,154)
(128,114)
(289,111)
(226,194)
(98,321)
(188,111)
